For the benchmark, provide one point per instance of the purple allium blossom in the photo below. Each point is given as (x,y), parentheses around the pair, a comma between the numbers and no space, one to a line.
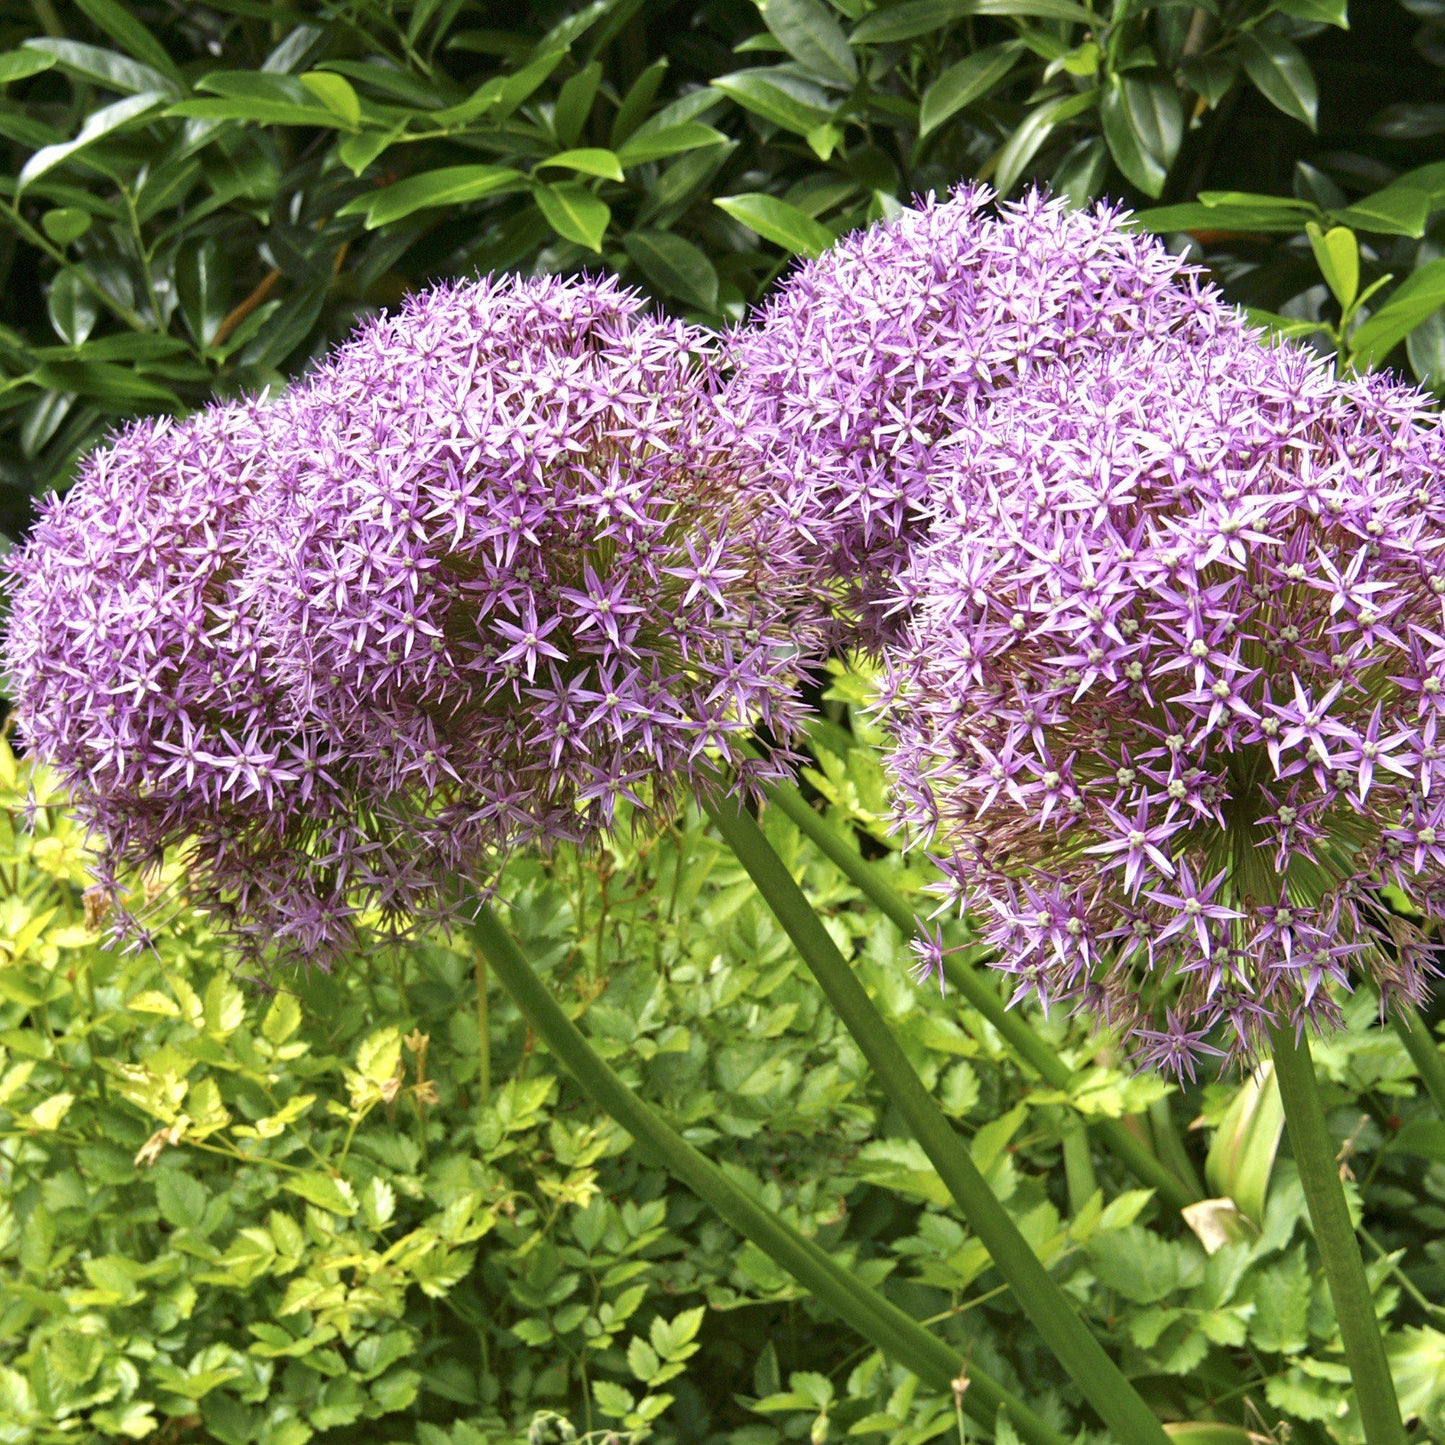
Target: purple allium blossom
(487,574)
(138,674)
(1169,702)
(852,381)
(512,570)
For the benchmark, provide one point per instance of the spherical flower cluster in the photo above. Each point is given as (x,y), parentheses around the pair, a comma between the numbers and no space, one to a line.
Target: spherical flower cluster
(487,573)
(511,563)
(1169,702)
(853,380)
(136,672)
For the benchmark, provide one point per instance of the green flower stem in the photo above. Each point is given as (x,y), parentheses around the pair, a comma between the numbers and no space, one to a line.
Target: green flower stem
(1314,1155)
(981,995)
(1415,1034)
(881,1323)
(1099,1379)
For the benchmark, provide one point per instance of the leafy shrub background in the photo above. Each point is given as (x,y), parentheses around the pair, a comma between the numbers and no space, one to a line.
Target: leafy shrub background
(363,1207)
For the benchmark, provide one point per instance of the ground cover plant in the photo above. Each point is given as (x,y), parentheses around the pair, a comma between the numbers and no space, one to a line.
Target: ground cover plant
(248,1203)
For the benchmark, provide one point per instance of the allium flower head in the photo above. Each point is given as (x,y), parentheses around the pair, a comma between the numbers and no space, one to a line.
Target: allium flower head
(1169,702)
(138,674)
(853,380)
(510,566)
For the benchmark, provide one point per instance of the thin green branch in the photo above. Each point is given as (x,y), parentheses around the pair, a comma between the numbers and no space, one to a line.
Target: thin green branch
(1101,1382)
(883,1324)
(981,995)
(1314,1154)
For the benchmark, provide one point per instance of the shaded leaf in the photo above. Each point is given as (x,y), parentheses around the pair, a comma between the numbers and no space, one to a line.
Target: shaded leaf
(1143,123)
(132,37)
(810,33)
(922,17)
(674,266)
(1419,295)
(105,68)
(449,186)
(961,84)
(1281,74)
(203,287)
(118,116)
(779,96)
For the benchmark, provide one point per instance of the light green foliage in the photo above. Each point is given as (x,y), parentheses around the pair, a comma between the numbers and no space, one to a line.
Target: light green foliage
(308,1214)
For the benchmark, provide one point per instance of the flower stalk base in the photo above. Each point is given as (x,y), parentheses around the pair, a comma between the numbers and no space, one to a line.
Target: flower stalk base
(1314,1154)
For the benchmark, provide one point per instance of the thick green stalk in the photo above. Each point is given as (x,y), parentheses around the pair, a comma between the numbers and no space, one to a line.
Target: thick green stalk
(1314,1156)
(882,1324)
(1415,1034)
(981,995)
(1099,1379)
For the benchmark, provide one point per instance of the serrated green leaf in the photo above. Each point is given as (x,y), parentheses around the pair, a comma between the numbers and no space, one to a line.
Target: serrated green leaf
(282,1019)
(324,1191)
(182,1199)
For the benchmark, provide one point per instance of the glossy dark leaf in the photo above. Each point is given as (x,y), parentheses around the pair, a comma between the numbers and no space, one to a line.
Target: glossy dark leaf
(1325,12)
(779,96)
(574,103)
(1032,132)
(73,309)
(809,31)
(574,213)
(778,221)
(1411,121)
(203,287)
(122,27)
(1143,123)
(921,17)
(1418,296)
(674,266)
(589,161)
(449,186)
(106,68)
(655,145)
(120,115)
(970,79)
(1281,73)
